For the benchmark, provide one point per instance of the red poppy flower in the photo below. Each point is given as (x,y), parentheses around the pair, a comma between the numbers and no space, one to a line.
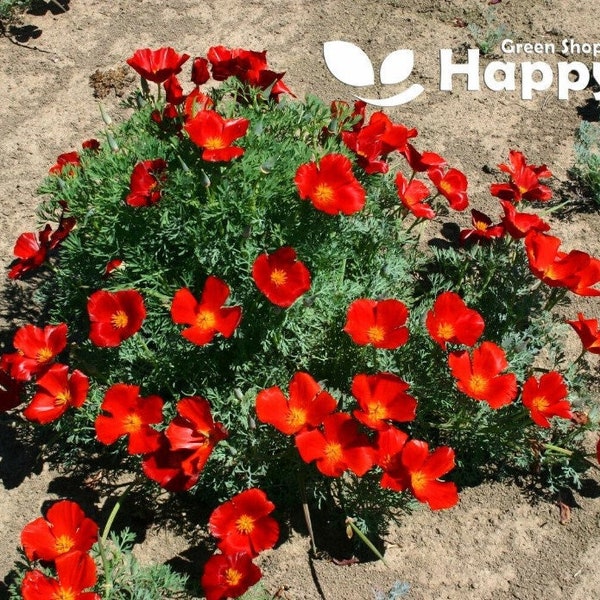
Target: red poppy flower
(382,397)
(423,161)
(57,392)
(588,332)
(113,265)
(92,144)
(307,406)
(554,268)
(517,224)
(331,185)
(214,134)
(479,375)
(281,277)
(10,390)
(411,194)
(452,185)
(65,226)
(157,65)
(36,350)
(208,316)
(194,429)
(483,230)
(146,179)
(65,164)
(200,74)
(587,277)
(339,447)
(165,466)
(229,576)
(524,180)
(546,398)
(451,321)
(195,102)
(129,414)
(380,323)
(66,528)
(243,524)
(115,316)
(388,447)
(174,91)
(340,112)
(423,470)
(76,572)
(31,250)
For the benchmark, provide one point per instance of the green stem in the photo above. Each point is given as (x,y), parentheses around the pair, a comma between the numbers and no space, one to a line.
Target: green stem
(366,540)
(566,452)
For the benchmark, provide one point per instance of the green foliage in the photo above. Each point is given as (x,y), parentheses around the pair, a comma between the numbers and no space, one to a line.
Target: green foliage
(10,8)
(587,158)
(488,36)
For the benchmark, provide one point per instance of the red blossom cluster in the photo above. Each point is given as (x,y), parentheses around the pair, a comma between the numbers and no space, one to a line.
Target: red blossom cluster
(63,538)
(244,530)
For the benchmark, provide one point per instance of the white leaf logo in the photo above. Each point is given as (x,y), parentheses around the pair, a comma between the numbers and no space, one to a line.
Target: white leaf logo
(397,66)
(348,63)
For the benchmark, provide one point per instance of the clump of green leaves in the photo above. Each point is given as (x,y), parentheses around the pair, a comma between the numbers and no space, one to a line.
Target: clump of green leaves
(587,158)
(490,34)
(10,8)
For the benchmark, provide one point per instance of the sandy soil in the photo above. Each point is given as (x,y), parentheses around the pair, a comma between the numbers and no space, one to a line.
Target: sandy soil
(500,542)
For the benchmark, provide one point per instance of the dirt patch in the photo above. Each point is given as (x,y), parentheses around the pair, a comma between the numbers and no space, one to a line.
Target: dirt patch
(500,541)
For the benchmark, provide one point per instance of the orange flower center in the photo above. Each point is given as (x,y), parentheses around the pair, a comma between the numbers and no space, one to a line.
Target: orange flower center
(132,423)
(445,187)
(278,277)
(522,189)
(232,577)
(376,333)
(64,594)
(62,398)
(206,319)
(215,143)
(323,193)
(376,412)
(296,417)
(445,331)
(245,524)
(119,319)
(478,384)
(418,481)
(540,403)
(44,355)
(63,544)
(333,452)
(481,226)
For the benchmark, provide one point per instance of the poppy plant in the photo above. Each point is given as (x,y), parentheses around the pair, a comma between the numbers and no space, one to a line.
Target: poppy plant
(31,250)
(411,194)
(388,446)
(65,164)
(229,576)
(379,323)
(588,332)
(165,466)
(452,321)
(280,276)
(243,524)
(339,447)
(194,429)
(519,224)
(206,317)
(64,529)
(307,406)
(215,134)
(76,572)
(115,316)
(423,161)
(452,184)
(128,414)
(524,180)
(482,230)
(36,350)
(423,470)
(546,398)
(479,375)
(57,391)
(330,185)
(144,187)
(381,398)
(157,65)
(200,74)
